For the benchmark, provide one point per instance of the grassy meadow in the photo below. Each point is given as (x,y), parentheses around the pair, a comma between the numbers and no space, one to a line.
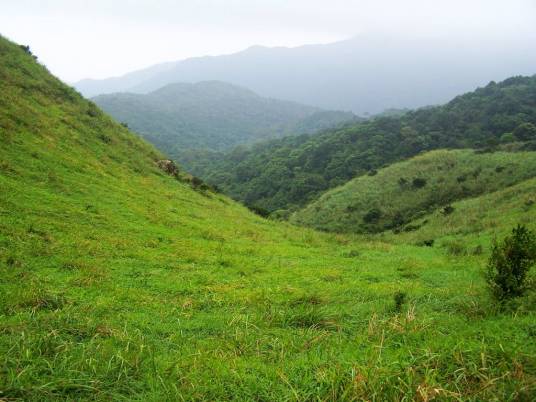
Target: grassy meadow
(396,195)
(120,282)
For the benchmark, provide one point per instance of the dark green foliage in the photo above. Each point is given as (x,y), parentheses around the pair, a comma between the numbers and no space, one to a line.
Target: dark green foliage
(447,210)
(199,185)
(259,210)
(372,216)
(510,262)
(212,115)
(27,50)
(411,228)
(267,174)
(418,182)
(399,299)
(196,182)
(507,137)
(525,132)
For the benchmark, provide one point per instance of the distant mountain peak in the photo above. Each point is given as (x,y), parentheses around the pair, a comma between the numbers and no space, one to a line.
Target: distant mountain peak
(366,73)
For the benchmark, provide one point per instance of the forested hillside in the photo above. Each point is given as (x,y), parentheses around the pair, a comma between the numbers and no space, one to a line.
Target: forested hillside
(287,173)
(212,115)
(404,191)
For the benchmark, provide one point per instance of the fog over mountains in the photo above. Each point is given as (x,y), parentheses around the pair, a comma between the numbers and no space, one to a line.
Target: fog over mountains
(365,74)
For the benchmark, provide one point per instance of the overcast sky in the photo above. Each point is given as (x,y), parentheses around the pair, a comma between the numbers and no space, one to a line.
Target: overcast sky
(100,38)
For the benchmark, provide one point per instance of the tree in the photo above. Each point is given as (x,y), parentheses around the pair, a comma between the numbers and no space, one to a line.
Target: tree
(525,132)
(510,262)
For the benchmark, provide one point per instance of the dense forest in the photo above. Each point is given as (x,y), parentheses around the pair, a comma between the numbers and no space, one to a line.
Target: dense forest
(287,173)
(212,115)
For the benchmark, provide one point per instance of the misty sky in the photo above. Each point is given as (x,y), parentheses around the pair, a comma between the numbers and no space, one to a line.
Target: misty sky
(101,38)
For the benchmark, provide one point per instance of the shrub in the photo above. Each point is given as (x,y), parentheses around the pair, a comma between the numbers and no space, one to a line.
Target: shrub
(525,132)
(27,50)
(412,228)
(196,182)
(475,173)
(372,216)
(259,210)
(398,221)
(419,182)
(507,137)
(399,299)
(104,138)
(510,262)
(351,254)
(447,210)
(92,110)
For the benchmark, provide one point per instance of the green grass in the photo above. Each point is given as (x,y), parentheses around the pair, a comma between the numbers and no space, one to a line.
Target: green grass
(118,282)
(404,191)
(476,221)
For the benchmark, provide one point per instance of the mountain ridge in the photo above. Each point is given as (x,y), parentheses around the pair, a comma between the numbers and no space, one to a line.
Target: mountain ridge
(364,74)
(213,115)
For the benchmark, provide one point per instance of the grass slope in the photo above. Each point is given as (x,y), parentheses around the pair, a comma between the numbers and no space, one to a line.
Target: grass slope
(474,222)
(403,191)
(118,282)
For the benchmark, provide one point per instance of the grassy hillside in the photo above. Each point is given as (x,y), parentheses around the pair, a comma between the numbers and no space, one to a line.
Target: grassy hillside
(120,282)
(473,222)
(212,115)
(397,194)
(288,173)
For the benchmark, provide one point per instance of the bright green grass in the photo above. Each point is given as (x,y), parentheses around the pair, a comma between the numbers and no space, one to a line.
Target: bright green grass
(120,283)
(449,176)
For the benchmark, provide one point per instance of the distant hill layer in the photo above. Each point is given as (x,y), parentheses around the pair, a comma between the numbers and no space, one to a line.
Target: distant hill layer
(368,73)
(404,191)
(213,115)
(288,173)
